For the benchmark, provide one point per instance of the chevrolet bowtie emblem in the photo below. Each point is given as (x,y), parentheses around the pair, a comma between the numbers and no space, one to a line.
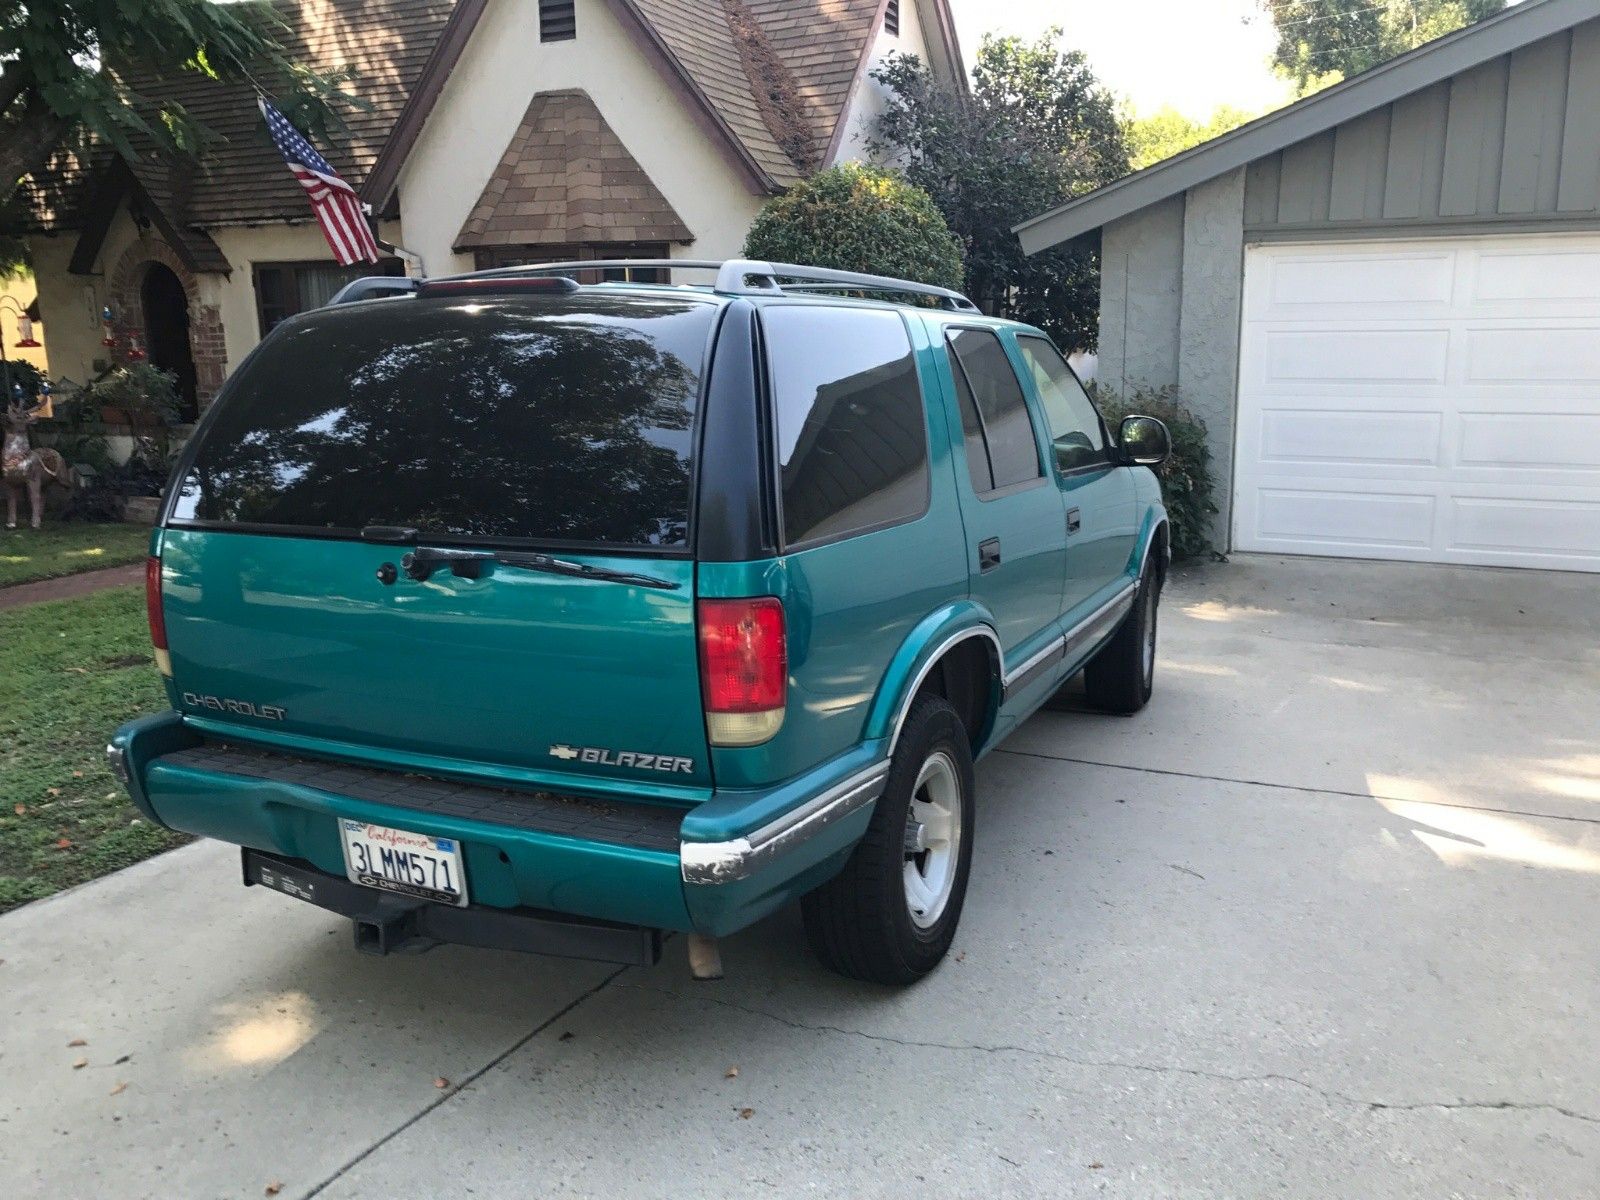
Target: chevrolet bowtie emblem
(566,753)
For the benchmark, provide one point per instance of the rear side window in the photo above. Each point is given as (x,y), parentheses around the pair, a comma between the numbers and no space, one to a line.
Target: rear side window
(852,433)
(991,398)
(566,420)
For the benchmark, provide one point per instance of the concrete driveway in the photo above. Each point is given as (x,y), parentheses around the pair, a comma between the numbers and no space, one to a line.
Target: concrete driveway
(1321,921)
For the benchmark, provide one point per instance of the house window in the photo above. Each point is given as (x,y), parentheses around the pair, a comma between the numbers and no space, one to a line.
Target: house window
(286,288)
(558,22)
(891,19)
(521,256)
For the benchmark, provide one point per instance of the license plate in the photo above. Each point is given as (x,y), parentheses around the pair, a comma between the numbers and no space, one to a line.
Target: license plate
(397,860)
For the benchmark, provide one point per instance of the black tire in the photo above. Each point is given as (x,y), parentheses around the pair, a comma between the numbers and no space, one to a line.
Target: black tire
(861,922)
(1121,677)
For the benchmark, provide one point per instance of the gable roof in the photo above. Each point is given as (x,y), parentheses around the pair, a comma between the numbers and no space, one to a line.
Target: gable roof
(755,73)
(1390,81)
(567,178)
(242,178)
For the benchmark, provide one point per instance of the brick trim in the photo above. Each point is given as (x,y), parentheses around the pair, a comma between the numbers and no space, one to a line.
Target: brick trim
(207,345)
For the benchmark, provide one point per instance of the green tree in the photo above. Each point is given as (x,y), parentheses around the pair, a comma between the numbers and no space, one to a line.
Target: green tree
(1167,131)
(856,218)
(1037,129)
(1321,41)
(60,83)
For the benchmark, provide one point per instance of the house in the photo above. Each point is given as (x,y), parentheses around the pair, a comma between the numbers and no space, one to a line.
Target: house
(500,132)
(1384,301)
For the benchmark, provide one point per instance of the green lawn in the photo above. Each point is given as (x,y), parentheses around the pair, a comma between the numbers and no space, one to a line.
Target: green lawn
(65,548)
(71,672)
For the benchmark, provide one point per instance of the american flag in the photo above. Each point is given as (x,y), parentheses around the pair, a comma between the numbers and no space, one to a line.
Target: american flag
(338,209)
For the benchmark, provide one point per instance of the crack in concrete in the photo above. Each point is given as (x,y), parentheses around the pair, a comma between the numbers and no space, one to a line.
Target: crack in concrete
(1294,787)
(1147,1068)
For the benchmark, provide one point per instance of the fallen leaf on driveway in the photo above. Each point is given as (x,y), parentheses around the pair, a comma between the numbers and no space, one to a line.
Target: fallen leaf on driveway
(441,1083)
(77,1042)
(746,1113)
(122,1060)
(80,1064)
(1097,1166)
(731,1073)
(119,1089)
(273,1188)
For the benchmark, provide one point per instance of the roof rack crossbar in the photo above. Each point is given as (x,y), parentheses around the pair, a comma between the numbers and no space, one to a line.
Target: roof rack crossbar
(748,277)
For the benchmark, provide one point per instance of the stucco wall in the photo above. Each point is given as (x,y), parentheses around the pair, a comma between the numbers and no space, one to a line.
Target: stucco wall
(22,290)
(1140,295)
(72,303)
(1171,282)
(868,104)
(503,66)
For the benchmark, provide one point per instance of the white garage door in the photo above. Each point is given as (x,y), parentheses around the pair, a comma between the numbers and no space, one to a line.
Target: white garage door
(1437,401)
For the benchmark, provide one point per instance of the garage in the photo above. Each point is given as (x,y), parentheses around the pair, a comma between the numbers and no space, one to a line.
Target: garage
(1382,301)
(1432,400)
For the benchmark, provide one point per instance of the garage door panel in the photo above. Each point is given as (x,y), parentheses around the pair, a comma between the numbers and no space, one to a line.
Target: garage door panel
(1349,437)
(1525,527)
(1529,441)
(1453,418)
(1548,276)
(1533,356)
(1336,282)
(1354,520)
(1357,356)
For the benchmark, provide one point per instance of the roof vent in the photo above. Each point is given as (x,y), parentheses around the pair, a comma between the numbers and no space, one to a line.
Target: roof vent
(891,18)
(558,22)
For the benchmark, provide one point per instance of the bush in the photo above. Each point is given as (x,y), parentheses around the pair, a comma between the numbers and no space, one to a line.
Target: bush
(857,218)
(1186,483)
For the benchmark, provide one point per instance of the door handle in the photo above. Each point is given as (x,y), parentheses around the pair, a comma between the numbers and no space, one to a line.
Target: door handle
(988,555)
(1074,520)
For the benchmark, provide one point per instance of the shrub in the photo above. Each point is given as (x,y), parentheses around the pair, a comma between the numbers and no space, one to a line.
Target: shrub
(1186,483)
(857,218)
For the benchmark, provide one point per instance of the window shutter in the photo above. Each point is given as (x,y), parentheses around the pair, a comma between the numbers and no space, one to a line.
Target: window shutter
(891,18)
(558,22)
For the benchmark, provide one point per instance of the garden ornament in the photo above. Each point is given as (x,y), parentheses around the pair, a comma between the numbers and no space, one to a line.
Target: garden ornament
(25,467)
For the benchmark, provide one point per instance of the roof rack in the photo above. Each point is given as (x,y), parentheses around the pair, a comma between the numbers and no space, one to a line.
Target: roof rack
(748,277)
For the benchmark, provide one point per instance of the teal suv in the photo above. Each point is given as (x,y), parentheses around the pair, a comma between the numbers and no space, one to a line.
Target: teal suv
(523,612)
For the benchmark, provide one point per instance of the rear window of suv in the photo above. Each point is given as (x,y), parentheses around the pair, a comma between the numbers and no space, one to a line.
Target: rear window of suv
(549,420)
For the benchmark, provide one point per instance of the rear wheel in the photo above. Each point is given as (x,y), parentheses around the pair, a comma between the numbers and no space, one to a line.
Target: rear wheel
(1121,677)
(891,914)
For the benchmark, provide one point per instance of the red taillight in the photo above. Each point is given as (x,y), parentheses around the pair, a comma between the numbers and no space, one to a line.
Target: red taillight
(152,610)
(744,669)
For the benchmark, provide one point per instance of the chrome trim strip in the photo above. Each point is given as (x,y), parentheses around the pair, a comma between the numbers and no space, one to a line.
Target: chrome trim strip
(725,862)
(1150,545)
(1053,648)
(1109,612)
(938,653)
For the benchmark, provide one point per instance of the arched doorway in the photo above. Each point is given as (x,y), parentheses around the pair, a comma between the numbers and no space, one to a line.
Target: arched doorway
(166,331)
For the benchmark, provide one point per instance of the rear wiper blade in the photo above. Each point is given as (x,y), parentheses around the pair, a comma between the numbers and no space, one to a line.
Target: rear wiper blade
(562,566)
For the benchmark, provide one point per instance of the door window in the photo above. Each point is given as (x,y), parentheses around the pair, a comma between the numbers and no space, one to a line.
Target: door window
(1076,434)
(1001,450)
(852,432)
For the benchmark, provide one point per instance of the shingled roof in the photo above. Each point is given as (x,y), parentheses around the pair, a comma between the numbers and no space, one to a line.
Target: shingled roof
(242,179)
(567,178)
(771,78)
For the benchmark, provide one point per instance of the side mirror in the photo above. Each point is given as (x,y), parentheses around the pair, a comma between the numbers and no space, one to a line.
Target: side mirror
(1145,442)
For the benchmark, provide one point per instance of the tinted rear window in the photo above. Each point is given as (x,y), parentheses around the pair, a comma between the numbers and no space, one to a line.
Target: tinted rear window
(506,418)
(852,437)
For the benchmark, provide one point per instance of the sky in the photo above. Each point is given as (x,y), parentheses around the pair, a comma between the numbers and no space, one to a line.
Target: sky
(1191,54)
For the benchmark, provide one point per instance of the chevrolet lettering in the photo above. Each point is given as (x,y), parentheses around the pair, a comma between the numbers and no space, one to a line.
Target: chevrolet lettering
(820,540)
